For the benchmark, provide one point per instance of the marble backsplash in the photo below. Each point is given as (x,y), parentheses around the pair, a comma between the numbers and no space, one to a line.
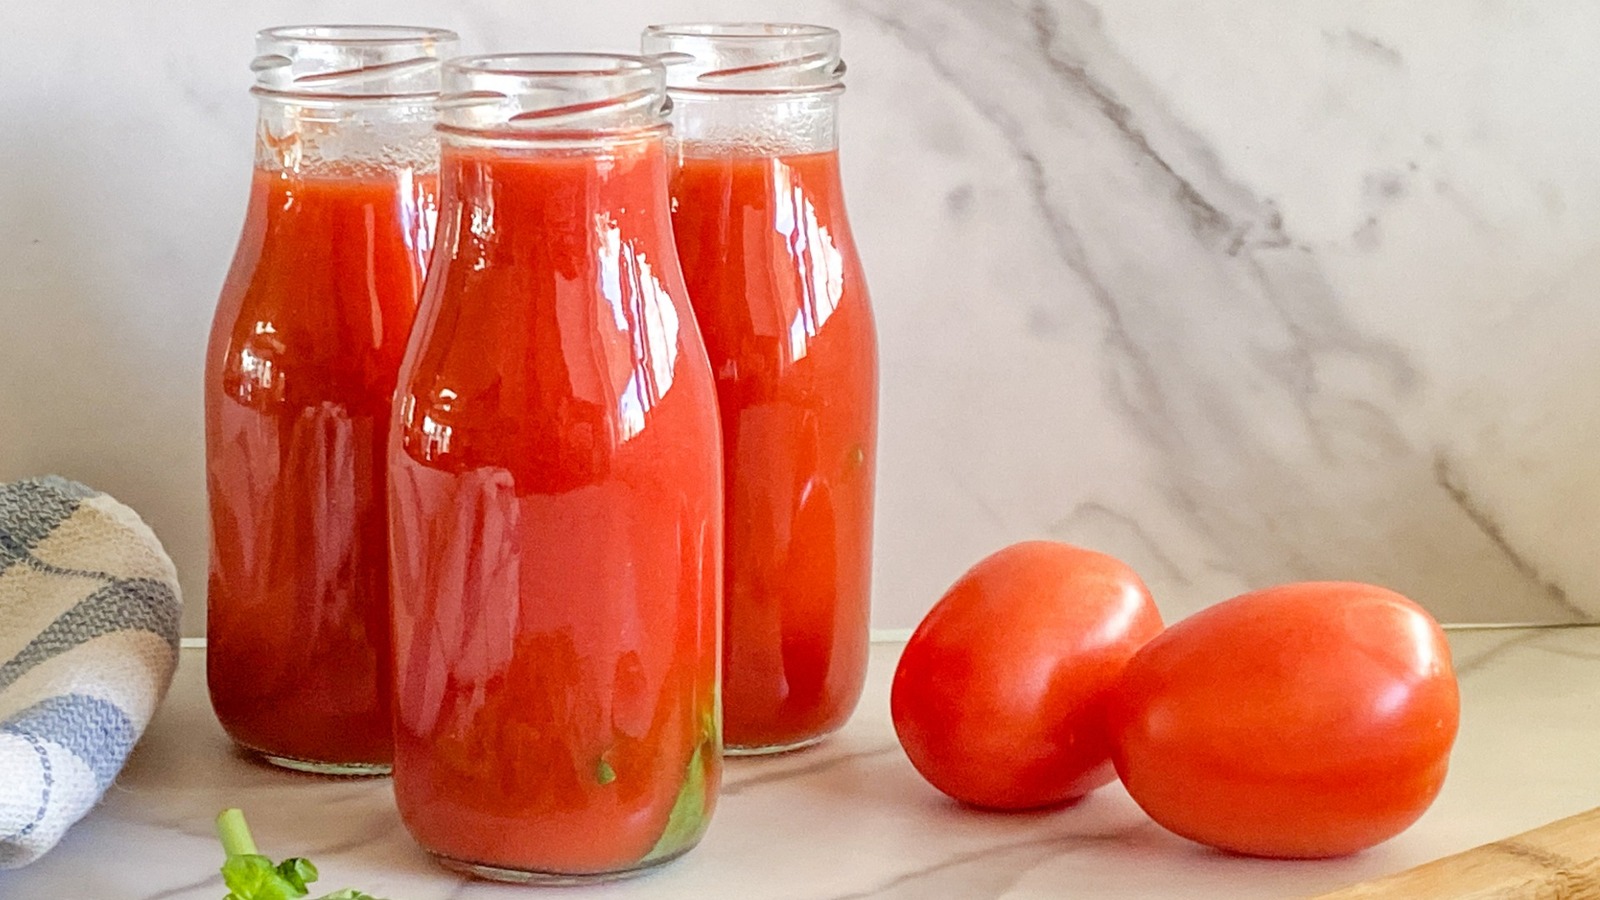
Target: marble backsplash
(1242,291)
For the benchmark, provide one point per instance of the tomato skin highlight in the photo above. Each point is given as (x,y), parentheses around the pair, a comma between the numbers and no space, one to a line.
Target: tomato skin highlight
(998,697)
(1302,721)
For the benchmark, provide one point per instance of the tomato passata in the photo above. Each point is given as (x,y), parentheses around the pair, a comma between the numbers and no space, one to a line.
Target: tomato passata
(998,696)
(1307,720)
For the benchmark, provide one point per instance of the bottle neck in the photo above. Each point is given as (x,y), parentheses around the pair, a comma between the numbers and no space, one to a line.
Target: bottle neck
(321,137)
(759,124)
(544,205)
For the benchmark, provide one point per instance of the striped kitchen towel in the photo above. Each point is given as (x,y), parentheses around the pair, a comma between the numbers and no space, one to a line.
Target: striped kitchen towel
(88,640)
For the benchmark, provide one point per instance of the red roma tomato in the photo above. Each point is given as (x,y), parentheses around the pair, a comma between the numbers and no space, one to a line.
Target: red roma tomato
(998,696)
(1306,720)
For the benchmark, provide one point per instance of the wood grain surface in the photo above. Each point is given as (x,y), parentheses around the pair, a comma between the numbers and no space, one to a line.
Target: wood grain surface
(1557,861)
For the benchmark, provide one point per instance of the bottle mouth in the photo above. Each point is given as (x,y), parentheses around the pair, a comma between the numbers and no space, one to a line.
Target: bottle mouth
(535,95)
(747,57)
(371,63)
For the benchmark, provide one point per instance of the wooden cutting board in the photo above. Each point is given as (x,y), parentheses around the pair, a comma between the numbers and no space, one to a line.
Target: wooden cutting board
(1558,861)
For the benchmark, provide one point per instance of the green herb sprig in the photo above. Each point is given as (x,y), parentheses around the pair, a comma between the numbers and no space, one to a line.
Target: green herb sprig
(251,876)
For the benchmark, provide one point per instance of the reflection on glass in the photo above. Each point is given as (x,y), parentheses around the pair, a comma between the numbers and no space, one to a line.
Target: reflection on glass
(816,260)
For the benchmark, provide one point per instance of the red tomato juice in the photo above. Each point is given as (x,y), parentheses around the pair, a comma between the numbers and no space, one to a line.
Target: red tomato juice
(300,371)
(557,524)
(776,283)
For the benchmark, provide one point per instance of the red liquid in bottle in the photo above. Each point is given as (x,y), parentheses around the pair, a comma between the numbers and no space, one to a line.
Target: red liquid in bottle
(300,375)
(557,524)
(777,287)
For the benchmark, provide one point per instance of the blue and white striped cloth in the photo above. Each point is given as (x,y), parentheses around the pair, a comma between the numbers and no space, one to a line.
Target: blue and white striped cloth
(89,609)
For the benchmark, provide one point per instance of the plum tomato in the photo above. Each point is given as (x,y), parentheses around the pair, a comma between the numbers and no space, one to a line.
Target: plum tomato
(1301,721)
(998,697)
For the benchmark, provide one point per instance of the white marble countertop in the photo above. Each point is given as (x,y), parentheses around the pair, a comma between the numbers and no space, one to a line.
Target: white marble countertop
(849,819)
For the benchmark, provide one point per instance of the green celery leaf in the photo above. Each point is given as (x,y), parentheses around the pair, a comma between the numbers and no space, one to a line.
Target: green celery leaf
(254,877)
(688,817)
(298,871)
(251,876)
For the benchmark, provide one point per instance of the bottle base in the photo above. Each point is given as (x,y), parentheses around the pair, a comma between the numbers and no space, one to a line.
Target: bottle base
(536,878)
(317,767)
(774,749)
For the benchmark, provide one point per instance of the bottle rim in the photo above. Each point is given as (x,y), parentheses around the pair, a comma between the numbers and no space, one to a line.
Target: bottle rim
(530,64)
(357,34)
(572,96)
(747,58)
(742,31)
(335,65)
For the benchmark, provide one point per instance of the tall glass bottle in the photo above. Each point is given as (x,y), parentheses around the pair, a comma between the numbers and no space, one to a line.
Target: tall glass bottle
(775,280)
(299,380)
(556,490)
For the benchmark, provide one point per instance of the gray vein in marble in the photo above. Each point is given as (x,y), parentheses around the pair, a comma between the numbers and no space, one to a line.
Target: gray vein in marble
(959,200)
(1470,209)
(1381,191)
(214,878)
(1366,46)
(1043,322)
(731,788)
(978,499)
(1209,221)
(378,830)
(1367,236)
(1385,184)
(1152,553)
(1225,212)
(1061,228)
(1445,476)
(1322,379)
(1469,664)
(212,102)
(1010,862)
(1567,652)
(1203,216)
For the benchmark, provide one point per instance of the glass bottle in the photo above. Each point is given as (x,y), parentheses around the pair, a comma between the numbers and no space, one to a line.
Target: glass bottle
(299,380)
(777,285)
(556,490)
